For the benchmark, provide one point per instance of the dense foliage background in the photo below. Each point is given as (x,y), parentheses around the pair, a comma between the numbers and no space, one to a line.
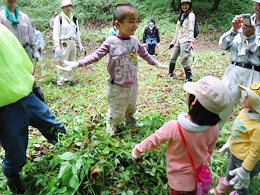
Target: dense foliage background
(87,160)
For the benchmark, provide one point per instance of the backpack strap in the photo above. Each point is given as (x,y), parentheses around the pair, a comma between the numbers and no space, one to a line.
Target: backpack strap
(74,20)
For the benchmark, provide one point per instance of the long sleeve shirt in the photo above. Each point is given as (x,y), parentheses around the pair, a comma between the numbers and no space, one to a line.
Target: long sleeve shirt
(244,140)
(151,34)
(39,39)
(231,39)
(185,32)
(200,144)
(23,31)
(122,59)
(65,30)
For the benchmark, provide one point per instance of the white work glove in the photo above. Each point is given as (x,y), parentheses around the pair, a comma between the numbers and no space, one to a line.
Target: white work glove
(80,47)
(134,156)
(70,65)
(36,55)
(144,44)
(158,44)
(225,149)
(241,179)
(57,54)
(158,65)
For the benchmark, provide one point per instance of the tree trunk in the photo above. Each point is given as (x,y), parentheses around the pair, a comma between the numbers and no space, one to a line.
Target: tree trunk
(170,6)
(215,6)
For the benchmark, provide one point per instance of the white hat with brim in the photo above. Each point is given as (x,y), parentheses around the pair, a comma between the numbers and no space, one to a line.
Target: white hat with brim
(211,93)
(65,3)
(253,97)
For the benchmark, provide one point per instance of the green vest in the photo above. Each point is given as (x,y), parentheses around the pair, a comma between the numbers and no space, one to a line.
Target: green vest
(16,80)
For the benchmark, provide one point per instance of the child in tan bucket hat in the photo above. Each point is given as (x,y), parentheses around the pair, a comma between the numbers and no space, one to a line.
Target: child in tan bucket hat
(205,98)
(244,146)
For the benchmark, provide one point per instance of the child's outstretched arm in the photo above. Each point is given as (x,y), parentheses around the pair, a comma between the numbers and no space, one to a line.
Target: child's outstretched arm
(162,135)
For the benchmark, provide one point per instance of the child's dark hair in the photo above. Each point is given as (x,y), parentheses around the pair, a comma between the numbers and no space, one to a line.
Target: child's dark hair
(119,12)
(187,12)
(201,115)
(53,12)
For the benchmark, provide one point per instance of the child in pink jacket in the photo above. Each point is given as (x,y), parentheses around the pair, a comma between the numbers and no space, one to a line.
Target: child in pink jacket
(205,98)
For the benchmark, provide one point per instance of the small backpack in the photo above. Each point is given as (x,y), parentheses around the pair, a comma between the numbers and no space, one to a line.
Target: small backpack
(196,29)
(74,20)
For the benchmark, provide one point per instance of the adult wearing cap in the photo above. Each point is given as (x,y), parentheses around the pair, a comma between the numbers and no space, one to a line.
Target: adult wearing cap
(66,37)
(19,108)
(244,67)
(183,39)
(19,24)
(151,36)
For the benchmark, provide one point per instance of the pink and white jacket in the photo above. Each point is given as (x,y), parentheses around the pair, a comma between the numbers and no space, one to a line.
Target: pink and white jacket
(201,141)
(122,59)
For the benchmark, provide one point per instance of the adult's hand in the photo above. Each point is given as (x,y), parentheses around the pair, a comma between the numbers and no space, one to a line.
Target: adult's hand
(237,23)
(36,55)
(57,54)
(248,31)
(80,47)
(38,92)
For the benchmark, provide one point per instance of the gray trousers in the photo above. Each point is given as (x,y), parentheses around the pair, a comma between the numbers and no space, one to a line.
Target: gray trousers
(183,49)
(29,52)
(234,163)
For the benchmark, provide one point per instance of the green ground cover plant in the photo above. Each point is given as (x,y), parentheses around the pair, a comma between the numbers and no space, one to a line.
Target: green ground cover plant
(87,160)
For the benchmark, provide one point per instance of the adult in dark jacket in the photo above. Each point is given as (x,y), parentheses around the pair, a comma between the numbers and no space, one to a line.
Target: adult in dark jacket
(151,37)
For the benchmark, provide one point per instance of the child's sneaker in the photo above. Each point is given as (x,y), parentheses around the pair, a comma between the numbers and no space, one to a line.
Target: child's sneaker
(222,188)
(130,120)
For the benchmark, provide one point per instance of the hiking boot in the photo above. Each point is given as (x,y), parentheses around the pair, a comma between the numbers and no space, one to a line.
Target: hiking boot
(14,184)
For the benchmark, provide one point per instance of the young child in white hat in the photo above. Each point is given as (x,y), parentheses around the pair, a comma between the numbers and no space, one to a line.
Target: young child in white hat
(205,98)
(244,145)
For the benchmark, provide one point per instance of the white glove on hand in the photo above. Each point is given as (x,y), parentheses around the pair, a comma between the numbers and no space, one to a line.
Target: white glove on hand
(241,179)
(158,44)
(70,65)
(80,47)
(158,65)
(36,55)
(144,44)
(134,156)
(225,148)
(57,54)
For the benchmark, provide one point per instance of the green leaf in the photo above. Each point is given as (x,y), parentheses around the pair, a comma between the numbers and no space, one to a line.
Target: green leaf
(74,183)
(79,163)
(67,156)
(129,192)
(50,186)
(65,166)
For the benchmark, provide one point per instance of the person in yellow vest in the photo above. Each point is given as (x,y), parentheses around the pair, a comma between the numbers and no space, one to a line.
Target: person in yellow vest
(19,108)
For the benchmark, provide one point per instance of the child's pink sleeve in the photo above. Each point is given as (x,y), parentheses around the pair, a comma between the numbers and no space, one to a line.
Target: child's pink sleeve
(97,55)
(155,140)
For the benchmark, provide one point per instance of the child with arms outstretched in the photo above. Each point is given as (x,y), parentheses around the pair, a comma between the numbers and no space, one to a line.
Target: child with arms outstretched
(122,67)
(244,146)
(205,98)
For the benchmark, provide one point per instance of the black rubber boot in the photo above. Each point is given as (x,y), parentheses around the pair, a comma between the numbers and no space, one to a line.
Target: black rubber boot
(171,69)
(14,183)
(188,74)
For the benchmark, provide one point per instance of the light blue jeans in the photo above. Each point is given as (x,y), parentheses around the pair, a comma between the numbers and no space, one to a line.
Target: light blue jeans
(151,46)
(15,119)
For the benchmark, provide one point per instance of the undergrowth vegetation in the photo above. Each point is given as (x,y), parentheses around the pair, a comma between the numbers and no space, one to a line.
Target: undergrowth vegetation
(87,160)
